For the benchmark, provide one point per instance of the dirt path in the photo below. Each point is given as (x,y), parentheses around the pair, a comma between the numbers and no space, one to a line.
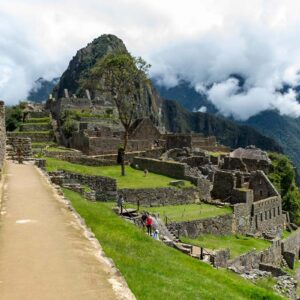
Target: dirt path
(43,252)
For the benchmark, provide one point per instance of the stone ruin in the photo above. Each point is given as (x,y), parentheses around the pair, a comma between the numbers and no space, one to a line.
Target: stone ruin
(2,135)
(19,148)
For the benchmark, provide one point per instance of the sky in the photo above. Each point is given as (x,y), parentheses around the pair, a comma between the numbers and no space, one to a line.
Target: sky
(204,42)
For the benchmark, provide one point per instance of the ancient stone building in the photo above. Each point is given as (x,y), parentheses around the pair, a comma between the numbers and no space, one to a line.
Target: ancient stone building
(143,135)
(2,135)
(194,141)
(247,160)
(256,202)
(142,128)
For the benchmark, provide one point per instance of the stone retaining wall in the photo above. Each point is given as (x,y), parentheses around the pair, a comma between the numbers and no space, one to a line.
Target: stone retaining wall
(167,168)
(161,196)
(292,244)
(2,135)
(220,225)
(36,137)
(271,256)
(79,158)
(104,187)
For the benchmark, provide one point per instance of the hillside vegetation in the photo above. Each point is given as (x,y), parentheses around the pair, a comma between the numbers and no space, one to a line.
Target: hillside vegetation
(155,271)
(283,176)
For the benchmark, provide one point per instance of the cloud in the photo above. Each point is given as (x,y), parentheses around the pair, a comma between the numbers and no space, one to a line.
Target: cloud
(260,47)
(203,42)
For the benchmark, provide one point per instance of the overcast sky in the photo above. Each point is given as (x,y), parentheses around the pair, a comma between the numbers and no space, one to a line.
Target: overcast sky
(202,41)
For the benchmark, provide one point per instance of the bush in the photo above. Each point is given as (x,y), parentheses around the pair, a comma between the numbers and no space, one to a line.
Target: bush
(283,176)
(69,127)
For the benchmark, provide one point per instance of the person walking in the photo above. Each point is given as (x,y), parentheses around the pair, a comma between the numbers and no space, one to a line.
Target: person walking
(120,203)
(149,223)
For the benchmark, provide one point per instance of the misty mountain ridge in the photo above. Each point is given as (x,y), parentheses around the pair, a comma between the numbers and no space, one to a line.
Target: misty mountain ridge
(283,129)
(175,117)
(41,89)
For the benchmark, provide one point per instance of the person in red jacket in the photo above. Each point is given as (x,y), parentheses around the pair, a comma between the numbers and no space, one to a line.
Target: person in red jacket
(149,223)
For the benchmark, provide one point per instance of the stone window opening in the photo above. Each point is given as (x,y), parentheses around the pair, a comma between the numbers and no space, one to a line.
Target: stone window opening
(266,215)
(274,212)
(270,214)
(260,181)
(261,193)
(261,217)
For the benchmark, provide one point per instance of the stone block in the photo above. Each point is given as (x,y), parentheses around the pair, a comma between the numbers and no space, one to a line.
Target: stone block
(289,257)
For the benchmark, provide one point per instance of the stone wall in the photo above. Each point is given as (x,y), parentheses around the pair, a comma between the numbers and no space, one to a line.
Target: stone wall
(242,218)
(19,146)
(261,186)
(105,145)
(267,215)
(224,183)
(34,136)
(34,127)
(161,196)
(167,168)
(104,187)
(221,225)
(271,256)
(245,164)
(2,135)
(292,244)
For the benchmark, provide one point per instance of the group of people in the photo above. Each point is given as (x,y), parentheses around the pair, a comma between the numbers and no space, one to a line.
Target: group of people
(147,222)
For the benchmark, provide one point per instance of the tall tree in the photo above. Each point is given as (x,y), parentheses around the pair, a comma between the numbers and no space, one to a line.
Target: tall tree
(121,76)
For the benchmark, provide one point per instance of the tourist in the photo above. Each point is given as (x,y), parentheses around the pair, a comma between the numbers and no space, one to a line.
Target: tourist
(144,219)
(146,172)
(156,235)
(149,223)
(120,203)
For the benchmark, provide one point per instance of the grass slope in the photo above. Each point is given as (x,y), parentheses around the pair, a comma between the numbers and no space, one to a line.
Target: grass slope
(188,212)
(133,179)
(237,244)
(155,271)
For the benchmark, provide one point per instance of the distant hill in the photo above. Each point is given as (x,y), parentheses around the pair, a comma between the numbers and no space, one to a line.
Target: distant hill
(186,96)
(178,119)
(283,129)
(41,89)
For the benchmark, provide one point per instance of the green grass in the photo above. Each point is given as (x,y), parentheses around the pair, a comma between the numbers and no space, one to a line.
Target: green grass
(286,234)
(38,145)
(188,212)
(58,149)
(267,282)
(155,271)
(133,179)
(38,120)
(34,124)
(216,154)
(46,132)
(238,244)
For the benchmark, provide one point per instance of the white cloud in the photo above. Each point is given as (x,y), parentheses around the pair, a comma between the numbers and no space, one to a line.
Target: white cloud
(203,42)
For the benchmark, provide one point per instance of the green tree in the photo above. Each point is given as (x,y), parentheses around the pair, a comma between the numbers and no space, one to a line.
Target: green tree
(122,77)
(283,177)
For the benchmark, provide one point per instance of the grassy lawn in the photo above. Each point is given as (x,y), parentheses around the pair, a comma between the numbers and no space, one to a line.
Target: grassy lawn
(155,271)
(217,154)
(238,244)
(188,212)
(286,234)
(134,178)
(38,120)
(58,149)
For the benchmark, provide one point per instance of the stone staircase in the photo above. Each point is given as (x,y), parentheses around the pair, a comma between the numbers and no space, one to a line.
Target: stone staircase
(18,146)
(37,128)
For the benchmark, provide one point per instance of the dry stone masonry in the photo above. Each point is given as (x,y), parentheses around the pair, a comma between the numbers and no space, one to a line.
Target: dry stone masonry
(2,135)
